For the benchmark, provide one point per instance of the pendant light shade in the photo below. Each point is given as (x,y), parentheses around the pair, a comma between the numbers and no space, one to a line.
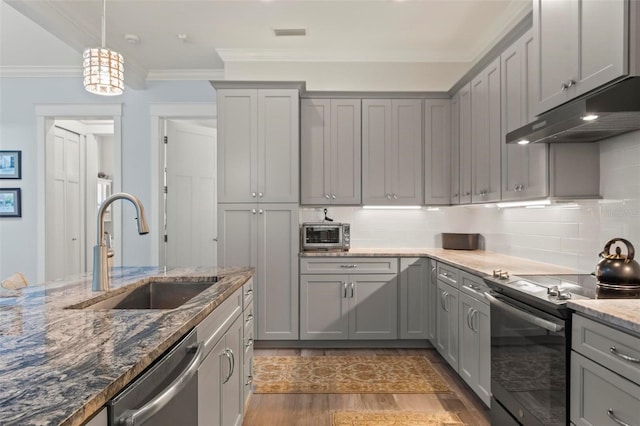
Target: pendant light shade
(103,68)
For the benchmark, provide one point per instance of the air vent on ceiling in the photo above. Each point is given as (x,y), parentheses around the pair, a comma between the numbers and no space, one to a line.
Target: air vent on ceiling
(285,32)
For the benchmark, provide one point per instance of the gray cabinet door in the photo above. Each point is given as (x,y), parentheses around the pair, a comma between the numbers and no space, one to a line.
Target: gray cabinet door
(414,298)
(455,149)
(433,302)
(437,151)
(315,152)
(210,386)
(278,146)
(555,26)
(238,235)
(373,310)
(392,151)
(464,99)
(447,323)
(486,134)
(345,153)
(324,307)
(237,145)
(232,391)
(475,346)
(525,170)
(276,298)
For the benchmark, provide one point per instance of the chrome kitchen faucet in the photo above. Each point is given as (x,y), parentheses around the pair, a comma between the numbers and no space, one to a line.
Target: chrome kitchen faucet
(100,268)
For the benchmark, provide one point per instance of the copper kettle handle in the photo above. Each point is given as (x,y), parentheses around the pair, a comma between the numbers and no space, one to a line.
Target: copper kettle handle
(631,252)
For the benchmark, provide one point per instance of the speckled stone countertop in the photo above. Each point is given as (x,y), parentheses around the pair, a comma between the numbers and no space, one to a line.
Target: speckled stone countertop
(478,262)
(60,366)
(624,313)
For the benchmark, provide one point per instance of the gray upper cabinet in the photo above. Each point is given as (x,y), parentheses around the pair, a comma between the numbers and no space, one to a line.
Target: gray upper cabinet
(392,152)
(437,151)
(464,143)
(580,45)
(258,145)
(330,151)
(486,134)
(455,149)
(525,172)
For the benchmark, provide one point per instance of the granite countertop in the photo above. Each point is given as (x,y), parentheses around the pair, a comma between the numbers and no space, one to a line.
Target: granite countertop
(60,366)
(624,313)
(479,262)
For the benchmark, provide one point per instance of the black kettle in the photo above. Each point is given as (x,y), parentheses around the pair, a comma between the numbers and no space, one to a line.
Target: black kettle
(618,269)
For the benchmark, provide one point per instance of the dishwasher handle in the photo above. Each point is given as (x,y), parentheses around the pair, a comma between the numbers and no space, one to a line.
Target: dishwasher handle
(540,322)
(141,415)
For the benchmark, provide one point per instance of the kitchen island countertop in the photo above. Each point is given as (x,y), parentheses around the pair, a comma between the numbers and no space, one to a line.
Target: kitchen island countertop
(59,366)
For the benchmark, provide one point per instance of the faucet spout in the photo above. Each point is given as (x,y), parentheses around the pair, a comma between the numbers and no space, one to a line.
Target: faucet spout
(100,250)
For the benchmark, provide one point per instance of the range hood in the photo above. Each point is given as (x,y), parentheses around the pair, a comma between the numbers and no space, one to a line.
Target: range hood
(608,112)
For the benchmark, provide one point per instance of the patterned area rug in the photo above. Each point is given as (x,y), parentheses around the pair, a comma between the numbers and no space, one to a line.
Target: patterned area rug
(346,374)
(392,418)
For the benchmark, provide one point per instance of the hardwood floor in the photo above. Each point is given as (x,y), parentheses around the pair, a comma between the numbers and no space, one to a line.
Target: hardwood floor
(314,409)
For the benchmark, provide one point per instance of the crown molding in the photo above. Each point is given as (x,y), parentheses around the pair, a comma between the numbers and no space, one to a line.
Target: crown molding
(40,71)
(333,55)
(194,74)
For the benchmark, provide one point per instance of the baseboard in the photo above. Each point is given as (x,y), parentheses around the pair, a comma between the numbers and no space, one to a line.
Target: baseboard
(340,344)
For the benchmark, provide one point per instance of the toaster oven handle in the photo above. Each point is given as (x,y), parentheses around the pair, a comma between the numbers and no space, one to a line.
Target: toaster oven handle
(540,322)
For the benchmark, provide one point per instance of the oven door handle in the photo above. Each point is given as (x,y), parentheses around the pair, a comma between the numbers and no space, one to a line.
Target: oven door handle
(547,325)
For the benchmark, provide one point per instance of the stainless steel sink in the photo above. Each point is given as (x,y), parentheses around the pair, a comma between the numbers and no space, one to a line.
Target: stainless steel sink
(151,295)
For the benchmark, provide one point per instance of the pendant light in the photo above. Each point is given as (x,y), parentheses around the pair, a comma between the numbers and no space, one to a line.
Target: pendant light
(103,68)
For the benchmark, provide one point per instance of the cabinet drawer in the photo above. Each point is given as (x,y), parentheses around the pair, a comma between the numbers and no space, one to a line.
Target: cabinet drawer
(213,327)
(349,265)
(247,290)
(599,397)
(616,350)
(448,274)
(474,286)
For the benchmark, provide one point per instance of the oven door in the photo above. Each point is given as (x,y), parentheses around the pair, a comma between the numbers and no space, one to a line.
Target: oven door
(529,359)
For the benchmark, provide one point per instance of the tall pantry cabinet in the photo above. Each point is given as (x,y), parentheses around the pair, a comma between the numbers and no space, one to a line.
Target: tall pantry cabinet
(258,195)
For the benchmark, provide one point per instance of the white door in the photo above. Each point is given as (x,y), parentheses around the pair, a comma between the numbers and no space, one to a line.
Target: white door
(64,204)
(191,195)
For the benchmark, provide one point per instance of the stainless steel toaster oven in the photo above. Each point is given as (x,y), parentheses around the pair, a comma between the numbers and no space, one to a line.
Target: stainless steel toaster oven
(325,236)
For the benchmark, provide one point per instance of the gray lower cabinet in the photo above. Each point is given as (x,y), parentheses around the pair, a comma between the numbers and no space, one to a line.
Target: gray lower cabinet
(474,365)
(605,374)
(99,419)
(346,298)
(414,298)
(432,289)
(265,236)
(447,331)
(220,375)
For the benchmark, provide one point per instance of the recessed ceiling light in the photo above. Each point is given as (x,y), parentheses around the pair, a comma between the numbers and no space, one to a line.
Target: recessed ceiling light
(523,142)
(287,32)
(590,117)
(132,38)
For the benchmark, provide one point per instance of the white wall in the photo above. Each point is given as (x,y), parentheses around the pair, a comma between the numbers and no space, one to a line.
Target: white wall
(570,235)
(18,97)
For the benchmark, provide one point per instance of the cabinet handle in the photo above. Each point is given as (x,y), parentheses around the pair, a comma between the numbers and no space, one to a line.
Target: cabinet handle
(469,312)
(388,196)
(249,292)
(395,197)
(227,353)
(613,417)
(433,274)
(467,193)
(253,194)
(349,266)
(253,211)
(326,196)
(615,352)
(249,381)
(249,343)
(564,86)
(344,284)
(353,291)
(475,324)
(260,194)
(333,196)
(261,211)
(249,319)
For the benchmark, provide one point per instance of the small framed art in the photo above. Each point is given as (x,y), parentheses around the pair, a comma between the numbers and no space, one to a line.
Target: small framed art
(10,164)
(10,202)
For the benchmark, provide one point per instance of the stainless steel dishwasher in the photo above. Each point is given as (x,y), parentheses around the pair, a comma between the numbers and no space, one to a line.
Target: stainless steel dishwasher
(166,394)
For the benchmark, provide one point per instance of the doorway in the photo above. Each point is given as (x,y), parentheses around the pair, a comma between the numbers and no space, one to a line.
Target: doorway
(74,142)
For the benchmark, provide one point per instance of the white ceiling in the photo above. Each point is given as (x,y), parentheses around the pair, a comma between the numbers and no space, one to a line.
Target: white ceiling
(218,32)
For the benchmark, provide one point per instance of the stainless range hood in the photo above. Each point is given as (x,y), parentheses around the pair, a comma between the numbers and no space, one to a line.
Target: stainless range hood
(611,111)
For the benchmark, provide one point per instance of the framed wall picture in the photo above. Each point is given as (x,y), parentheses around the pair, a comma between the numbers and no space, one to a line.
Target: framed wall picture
(10,164)
(10,202)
